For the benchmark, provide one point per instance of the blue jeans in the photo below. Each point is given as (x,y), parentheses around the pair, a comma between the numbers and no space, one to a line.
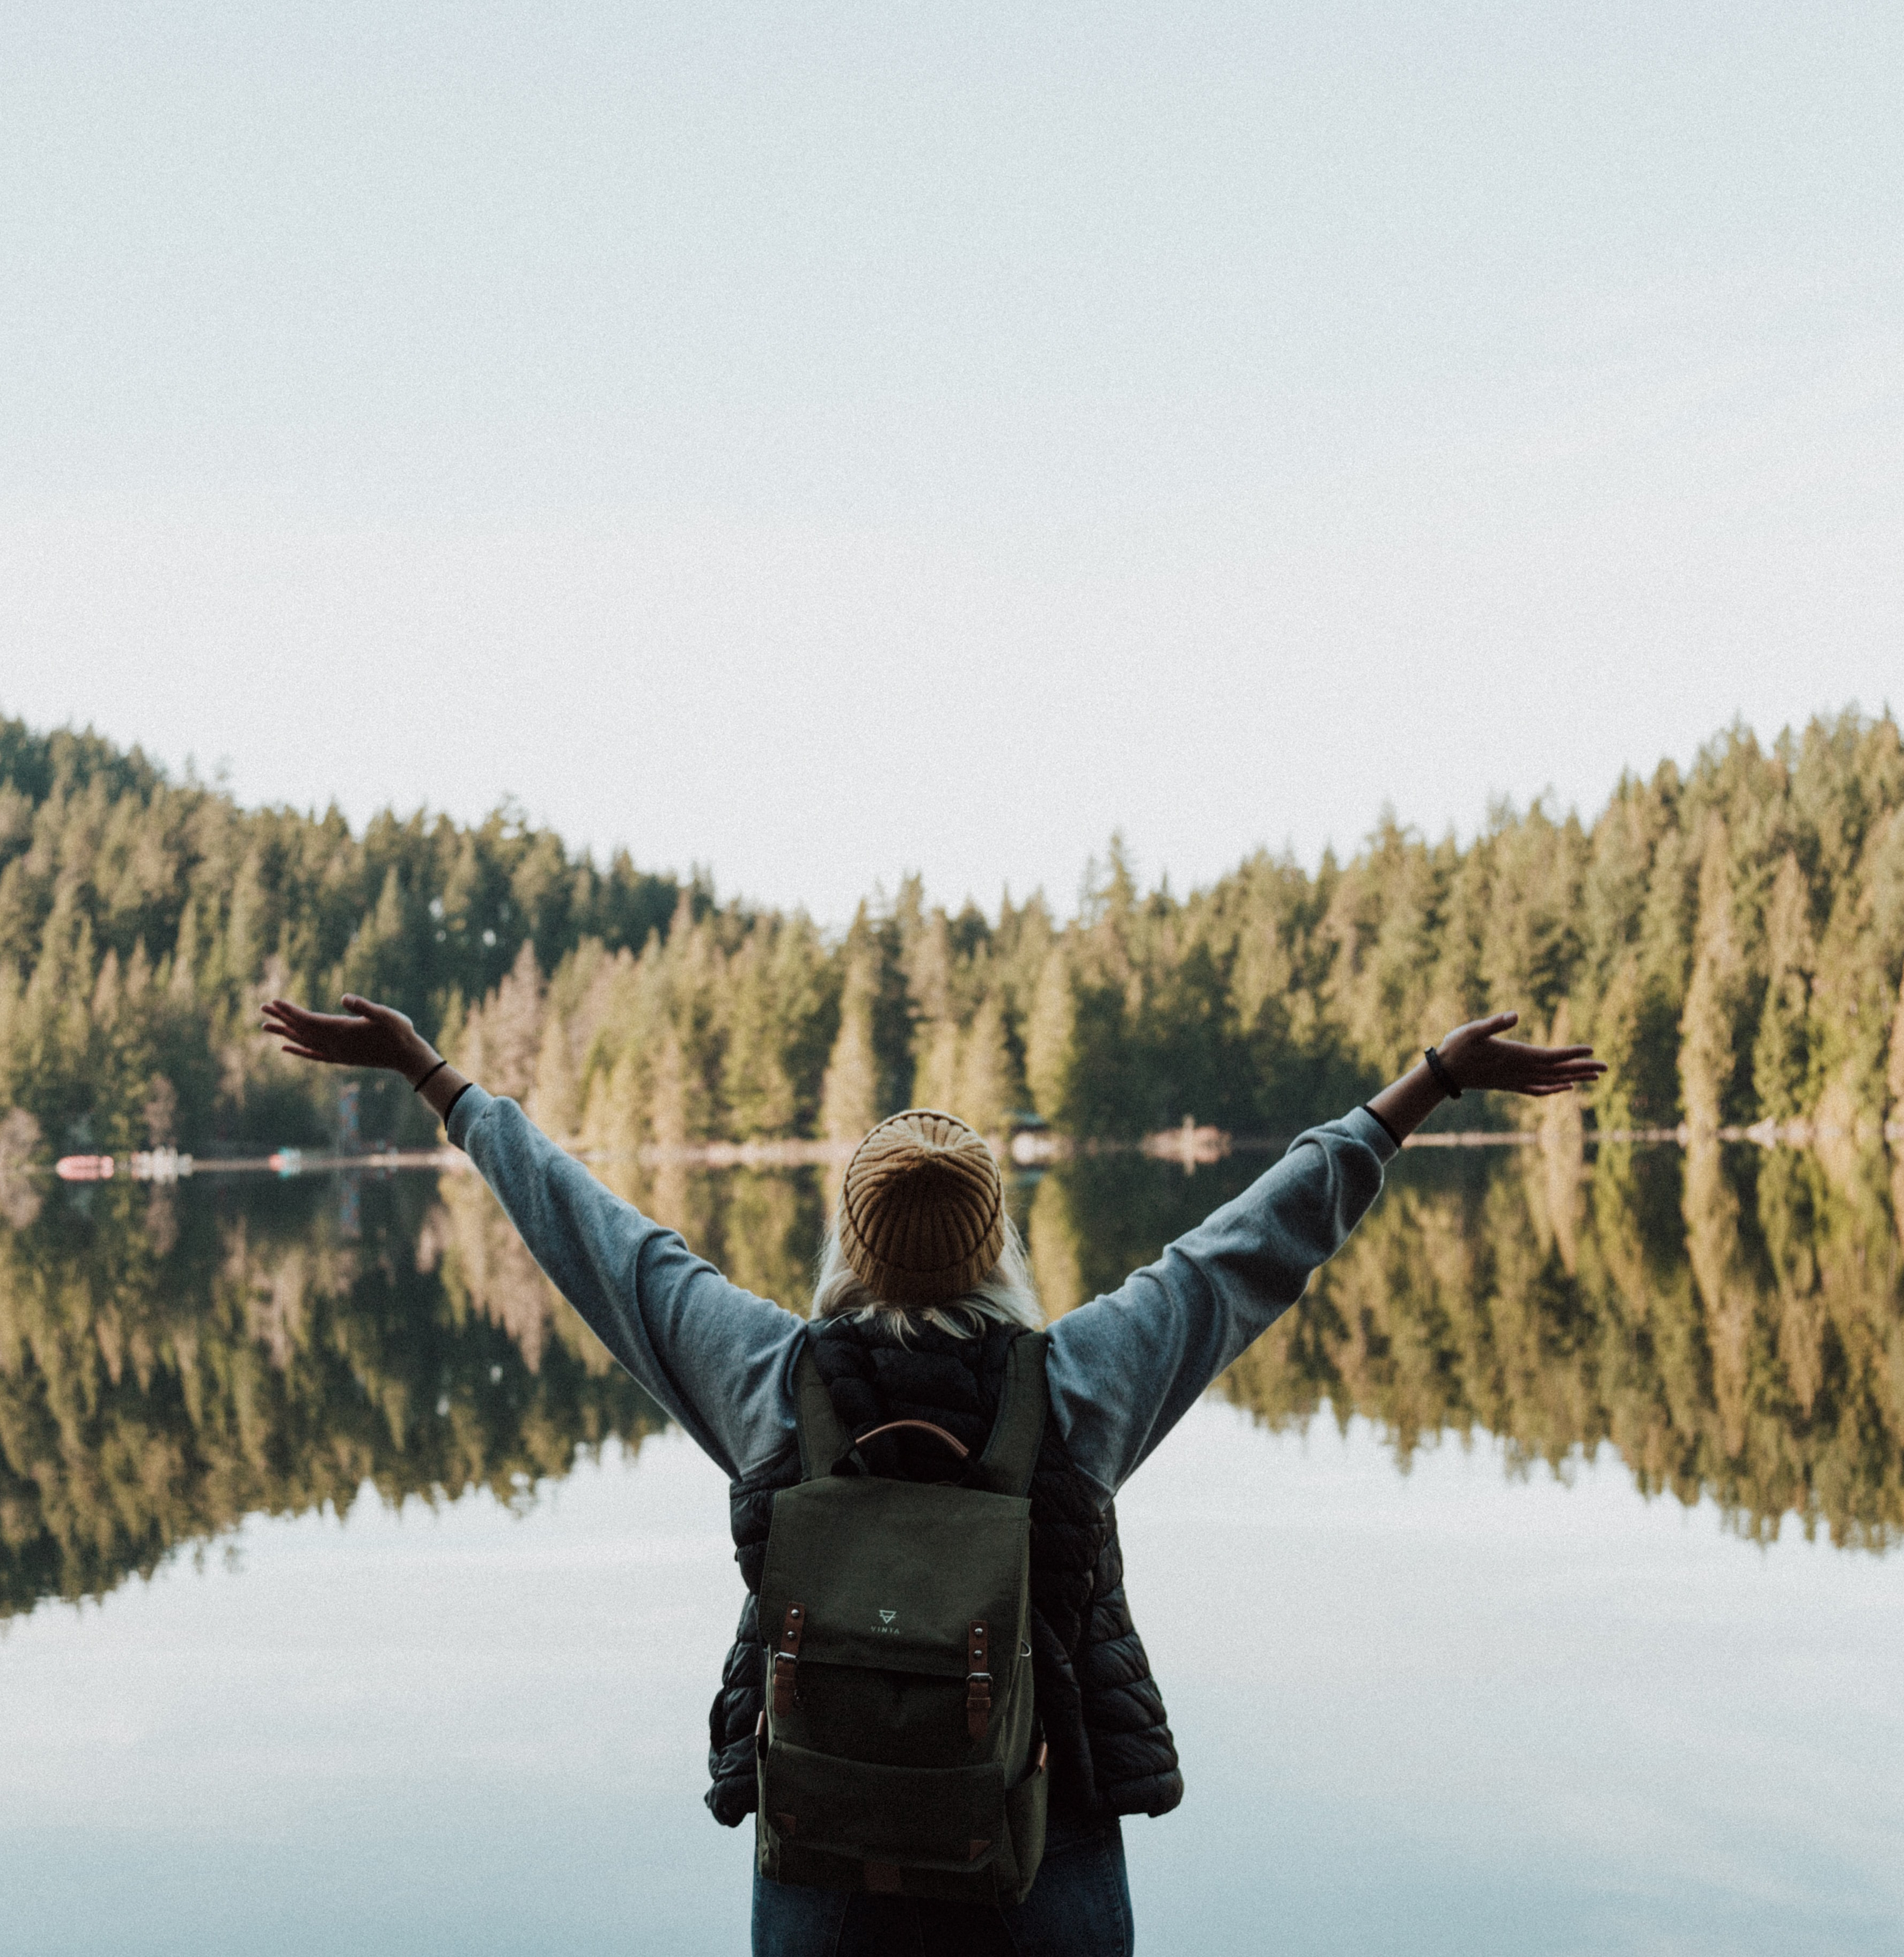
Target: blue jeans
(1079,1906)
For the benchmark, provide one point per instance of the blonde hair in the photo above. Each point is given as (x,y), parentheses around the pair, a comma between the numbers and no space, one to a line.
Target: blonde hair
(1005,1296)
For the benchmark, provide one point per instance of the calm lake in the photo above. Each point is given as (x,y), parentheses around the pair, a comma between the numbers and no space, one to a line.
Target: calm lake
(1532,1588)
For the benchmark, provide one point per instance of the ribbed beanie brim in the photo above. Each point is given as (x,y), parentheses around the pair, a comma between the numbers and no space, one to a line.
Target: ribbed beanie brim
(922,1210)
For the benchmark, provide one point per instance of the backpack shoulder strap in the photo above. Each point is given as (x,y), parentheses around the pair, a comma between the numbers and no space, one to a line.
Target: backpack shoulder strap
(822,1439)
(1005,1467)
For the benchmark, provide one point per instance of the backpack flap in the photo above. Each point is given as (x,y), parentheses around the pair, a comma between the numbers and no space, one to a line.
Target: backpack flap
(893,1575)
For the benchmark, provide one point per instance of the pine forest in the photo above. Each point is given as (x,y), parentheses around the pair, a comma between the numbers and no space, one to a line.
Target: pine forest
(1731,938)
(1727,1317)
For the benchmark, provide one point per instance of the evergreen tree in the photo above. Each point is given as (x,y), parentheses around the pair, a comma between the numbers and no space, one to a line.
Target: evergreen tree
(1710,1053)
(849,1100)
(1050,1037)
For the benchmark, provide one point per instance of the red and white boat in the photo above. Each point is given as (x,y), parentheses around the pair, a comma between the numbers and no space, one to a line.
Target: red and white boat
(83,1168)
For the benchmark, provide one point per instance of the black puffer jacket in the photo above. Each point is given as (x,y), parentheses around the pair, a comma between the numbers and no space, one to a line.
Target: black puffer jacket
(1111,1750)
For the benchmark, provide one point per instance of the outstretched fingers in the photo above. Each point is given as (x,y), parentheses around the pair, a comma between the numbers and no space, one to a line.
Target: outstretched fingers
(307,1024)
(1538,1070)
(1558,1080)
(308,1035)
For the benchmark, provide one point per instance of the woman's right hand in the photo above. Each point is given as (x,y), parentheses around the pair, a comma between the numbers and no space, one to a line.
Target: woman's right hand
(364,1034)
(1476,1056)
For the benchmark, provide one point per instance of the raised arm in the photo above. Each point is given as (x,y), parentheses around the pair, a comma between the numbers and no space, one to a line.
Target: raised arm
(718,1359)
(1125,1368)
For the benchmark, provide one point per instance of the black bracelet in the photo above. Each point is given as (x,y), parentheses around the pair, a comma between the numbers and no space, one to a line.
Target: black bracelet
(453,1099)
(416,1085)
(1444,1079)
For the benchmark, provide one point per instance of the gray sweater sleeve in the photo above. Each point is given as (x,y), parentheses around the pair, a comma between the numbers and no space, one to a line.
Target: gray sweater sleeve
(1125,1368)
(718,1359)
(1122,1370)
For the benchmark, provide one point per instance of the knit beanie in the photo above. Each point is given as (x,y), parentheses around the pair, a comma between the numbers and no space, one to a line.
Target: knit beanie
(923,1211)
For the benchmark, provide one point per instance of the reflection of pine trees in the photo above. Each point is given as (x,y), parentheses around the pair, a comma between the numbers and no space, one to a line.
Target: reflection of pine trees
(168,1367)
(1732,1325)
(1055,1248)
(767,1232)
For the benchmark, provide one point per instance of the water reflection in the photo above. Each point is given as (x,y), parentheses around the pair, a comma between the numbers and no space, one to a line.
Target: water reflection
(172,1362)
(1730,1322)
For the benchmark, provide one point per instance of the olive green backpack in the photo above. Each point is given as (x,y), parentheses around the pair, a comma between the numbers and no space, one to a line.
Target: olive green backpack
(899,1751)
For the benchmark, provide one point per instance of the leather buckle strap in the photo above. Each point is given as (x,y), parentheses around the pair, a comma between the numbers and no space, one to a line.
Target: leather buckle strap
(786,1660)
(978,1682)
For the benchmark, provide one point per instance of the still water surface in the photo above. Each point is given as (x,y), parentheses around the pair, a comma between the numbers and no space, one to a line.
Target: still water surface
(1528,1590)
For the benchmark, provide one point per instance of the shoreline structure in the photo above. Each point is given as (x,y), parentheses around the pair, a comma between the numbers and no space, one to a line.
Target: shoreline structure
(1192,1146)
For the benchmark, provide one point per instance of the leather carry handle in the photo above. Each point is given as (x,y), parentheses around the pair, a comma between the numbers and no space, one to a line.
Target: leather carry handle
(957,1447)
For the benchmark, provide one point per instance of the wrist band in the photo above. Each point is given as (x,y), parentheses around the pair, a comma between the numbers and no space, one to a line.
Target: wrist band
(1444,1079)
(416,1085)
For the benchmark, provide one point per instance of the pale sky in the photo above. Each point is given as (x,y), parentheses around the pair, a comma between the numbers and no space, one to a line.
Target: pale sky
(820,443)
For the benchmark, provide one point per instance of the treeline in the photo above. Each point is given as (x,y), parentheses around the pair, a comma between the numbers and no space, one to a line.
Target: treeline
(1731,937)
(142,921)
(1732,940)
